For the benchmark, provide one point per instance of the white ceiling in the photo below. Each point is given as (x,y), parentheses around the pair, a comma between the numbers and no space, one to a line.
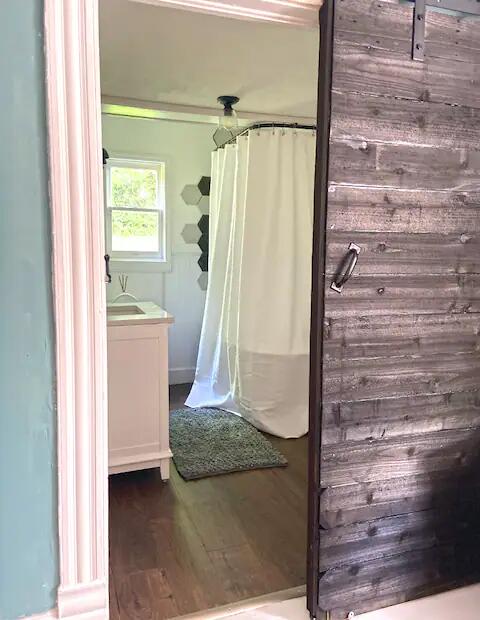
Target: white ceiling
(173,56)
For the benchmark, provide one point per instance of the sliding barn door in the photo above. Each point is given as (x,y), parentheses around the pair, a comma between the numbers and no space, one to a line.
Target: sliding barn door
(395,502)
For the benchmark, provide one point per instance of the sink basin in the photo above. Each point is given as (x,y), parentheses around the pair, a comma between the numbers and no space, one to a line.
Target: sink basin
(124,310)
(136,313)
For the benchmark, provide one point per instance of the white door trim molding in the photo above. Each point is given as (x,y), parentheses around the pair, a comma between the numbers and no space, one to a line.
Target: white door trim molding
(303,13)
(76,197)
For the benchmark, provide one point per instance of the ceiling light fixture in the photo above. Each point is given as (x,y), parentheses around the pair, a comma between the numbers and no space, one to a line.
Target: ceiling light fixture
(228,122)
(229,118)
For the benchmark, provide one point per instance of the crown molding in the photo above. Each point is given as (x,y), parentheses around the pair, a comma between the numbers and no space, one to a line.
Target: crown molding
(157,110)
(291,12)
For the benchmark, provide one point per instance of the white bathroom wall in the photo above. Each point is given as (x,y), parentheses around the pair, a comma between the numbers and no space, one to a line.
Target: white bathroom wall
(186,147)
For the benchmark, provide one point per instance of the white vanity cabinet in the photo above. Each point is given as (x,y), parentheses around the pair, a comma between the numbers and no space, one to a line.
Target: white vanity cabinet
(138,404)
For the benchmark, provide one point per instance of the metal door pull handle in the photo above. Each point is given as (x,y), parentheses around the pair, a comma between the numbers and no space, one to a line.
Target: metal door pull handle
(108,277)
(346,268)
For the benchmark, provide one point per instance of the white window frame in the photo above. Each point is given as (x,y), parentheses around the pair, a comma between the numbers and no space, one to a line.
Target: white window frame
(131,260)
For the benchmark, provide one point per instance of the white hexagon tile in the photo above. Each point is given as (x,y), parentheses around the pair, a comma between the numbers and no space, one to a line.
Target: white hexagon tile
(222,136)
(203,280)
(191,194)
(204,205)
(191,233)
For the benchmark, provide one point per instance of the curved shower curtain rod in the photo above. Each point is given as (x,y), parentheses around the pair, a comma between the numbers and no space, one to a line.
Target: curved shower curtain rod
(265,125)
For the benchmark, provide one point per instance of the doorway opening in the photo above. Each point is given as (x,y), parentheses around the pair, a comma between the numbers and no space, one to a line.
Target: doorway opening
(209,150)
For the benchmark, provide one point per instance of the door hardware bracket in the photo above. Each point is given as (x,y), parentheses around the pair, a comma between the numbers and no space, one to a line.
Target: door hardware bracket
(418,40)
(346,268)
(468,7)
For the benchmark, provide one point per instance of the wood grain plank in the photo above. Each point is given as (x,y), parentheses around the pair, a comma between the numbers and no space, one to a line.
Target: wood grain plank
(114,609)
(135,552)
(446,36)
(385,294)
(406,253)
(400,450)
(426,331)
(381,65)
(376,18)
(377,209)
(348,585)
(209,518)
(372,461)
(400,417)
(396,598)
(244,573)
(370,118)
(351,503)
(382,538)
(404,166)
(357,354)
(398,377)
(394,409)
(253,524)
(144,595)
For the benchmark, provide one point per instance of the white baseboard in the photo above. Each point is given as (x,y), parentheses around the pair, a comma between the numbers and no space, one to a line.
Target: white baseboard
(181,375)
(86,601)
(51,614)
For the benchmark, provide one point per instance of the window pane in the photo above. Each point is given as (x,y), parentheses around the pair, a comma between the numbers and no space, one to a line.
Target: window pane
(133,187)
(134,231)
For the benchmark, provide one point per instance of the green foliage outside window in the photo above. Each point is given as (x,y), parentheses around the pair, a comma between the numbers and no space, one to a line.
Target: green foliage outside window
(125,224)
(134,187)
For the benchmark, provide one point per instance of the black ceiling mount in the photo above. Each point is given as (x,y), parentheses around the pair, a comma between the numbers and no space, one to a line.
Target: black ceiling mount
(468,7)
(228,101)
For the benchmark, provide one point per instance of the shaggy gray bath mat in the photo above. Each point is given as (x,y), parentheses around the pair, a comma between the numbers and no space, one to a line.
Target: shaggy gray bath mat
(208,442)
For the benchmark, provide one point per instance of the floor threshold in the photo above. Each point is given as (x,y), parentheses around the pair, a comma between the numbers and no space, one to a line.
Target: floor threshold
(246,605)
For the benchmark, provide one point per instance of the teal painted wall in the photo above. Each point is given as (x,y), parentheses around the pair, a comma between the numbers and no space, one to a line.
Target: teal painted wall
(28,480)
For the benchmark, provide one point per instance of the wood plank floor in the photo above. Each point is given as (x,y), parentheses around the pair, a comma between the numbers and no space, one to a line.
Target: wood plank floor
(180,547)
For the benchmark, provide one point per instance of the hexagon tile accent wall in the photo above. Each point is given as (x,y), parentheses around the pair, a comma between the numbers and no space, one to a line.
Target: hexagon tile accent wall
(204,186)
(204,205)
(203,280)
(191,233)
(191,194)
(222,136)
(198,195)
(203,242)
(203,261)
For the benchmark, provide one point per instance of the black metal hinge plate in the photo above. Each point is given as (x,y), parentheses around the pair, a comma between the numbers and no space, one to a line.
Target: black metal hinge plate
(418,41)
(468,7)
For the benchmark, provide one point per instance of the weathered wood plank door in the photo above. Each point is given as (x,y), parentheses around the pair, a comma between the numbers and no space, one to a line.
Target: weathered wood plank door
(395,400)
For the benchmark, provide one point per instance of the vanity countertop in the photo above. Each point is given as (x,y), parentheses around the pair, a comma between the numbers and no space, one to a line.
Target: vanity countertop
(137,313)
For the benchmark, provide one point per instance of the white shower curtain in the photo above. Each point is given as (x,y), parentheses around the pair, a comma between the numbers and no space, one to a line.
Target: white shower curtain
(253,356)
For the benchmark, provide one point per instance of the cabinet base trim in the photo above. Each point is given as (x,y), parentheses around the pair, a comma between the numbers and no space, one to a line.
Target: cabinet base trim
(121,464)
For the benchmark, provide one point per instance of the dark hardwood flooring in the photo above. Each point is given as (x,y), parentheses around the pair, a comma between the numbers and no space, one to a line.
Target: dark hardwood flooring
(180,547)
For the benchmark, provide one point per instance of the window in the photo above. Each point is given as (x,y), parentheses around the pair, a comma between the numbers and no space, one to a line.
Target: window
(135,210)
